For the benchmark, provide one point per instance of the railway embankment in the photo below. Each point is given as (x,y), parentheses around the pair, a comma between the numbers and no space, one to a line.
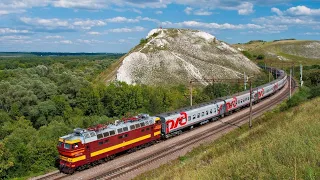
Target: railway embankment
(283,144)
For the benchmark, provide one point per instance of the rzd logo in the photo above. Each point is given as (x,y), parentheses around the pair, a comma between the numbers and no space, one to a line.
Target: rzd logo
(181,120)
(261,93)
(232,104)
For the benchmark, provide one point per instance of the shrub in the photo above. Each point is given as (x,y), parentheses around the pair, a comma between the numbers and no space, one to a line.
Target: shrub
(143,41)
(247,54)
(260,56)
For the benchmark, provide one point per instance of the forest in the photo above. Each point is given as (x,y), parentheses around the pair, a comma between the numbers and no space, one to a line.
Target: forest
(43,98)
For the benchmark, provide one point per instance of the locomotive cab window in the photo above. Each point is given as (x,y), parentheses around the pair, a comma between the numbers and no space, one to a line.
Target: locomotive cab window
(66,146)
(75,146)
(60,144)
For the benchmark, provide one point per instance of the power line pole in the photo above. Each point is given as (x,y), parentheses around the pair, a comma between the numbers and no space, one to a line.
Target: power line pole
(245,81)
(250,115)
(290,83)
(301,81)
(190,93)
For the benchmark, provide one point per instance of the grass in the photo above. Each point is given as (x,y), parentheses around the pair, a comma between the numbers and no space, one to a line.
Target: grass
(281,145)
(273,49)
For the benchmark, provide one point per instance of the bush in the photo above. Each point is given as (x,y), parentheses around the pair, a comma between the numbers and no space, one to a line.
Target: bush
(260,56)
(247,54)
(143,41)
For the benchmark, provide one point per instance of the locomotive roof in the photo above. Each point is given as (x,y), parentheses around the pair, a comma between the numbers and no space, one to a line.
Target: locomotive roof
(86,135)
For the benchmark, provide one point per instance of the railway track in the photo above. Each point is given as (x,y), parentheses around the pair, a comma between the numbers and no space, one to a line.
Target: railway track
(119,171)
(162,153)
(53,175)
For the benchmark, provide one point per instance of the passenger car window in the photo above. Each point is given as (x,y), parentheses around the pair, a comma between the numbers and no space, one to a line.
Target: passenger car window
(106,134)
(99,136)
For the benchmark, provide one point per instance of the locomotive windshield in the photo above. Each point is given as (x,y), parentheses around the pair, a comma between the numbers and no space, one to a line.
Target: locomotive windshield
(66,146)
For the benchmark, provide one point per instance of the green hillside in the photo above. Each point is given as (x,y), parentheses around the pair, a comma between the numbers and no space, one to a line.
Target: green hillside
(298,51)
(281,145)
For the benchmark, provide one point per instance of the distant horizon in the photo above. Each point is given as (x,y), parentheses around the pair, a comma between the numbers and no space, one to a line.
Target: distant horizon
(78,52)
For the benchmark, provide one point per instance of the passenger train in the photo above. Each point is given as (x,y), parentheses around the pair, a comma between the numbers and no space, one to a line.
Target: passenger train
(86,147)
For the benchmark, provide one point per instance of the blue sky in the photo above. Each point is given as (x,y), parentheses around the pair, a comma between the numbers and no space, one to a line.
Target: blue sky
(118,25)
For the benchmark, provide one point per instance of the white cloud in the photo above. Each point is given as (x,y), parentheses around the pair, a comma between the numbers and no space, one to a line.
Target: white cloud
(94,33)
(245,8)
(88,23)
(49,23)
(312,33)
(148,19)
(127,30)
(76,4)
(188,10)
(65,42)
(15,40)
(287,20)
(137,11)
(13,31)
(158,12)
(54,37)
(277,11)
(121,20)
(61,24)
(303,11)
(196,24)
(202,12)
(93,41)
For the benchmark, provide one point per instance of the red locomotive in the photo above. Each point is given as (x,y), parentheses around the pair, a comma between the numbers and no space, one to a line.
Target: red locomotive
(85,147)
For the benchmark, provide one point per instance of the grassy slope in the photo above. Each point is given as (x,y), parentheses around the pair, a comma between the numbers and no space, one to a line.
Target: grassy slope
(277,142)
(276,48)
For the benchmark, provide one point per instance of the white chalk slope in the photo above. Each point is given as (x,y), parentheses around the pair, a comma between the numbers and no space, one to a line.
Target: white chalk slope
(174,56)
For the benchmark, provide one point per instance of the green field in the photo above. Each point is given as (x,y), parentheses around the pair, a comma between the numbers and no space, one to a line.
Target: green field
(292,51)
